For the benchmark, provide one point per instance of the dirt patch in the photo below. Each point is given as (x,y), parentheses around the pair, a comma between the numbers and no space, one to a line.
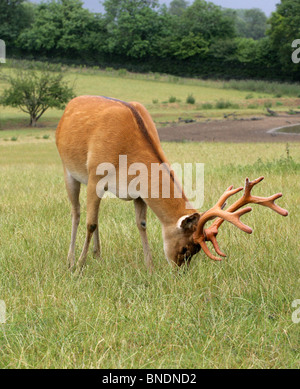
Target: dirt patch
(237,131)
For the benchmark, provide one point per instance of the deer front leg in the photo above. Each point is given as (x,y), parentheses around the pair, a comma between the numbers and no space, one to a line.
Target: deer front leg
(140,217)
(97,250)
(73,190)
(75,223)
(93,202)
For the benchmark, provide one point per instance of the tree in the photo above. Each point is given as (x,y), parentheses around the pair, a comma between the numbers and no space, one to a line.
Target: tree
(62,29)
(133,27)
(285,28)
(34,92)
(189,45)
(249,23)
(208,20)
(15,16)
(115,8)
(177,7)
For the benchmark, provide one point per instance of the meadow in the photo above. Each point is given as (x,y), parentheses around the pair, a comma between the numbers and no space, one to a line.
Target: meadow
(166,96)
(232,314)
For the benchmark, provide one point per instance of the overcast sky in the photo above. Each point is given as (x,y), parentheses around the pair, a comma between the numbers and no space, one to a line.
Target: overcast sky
(267,6)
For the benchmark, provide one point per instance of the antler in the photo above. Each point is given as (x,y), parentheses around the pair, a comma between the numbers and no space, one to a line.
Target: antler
(232,215)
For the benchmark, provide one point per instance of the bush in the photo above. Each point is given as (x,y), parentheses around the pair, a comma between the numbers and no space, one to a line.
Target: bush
(122,72)
(268,104)
(190,99)
(35,92)
(222,104)
(172,99)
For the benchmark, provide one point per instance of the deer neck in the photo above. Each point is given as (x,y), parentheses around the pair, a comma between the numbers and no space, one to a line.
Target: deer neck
(169,211)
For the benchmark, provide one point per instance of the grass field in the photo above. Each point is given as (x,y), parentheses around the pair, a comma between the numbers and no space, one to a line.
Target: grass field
(234,314)
(213,99)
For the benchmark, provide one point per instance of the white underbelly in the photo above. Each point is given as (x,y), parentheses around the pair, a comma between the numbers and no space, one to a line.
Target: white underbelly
(82,178)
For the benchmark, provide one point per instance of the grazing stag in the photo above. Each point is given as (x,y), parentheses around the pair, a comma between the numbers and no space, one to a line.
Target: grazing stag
(95,130)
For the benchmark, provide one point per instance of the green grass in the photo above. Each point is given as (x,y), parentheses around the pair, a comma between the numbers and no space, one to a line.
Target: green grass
(165,96)
(233,314)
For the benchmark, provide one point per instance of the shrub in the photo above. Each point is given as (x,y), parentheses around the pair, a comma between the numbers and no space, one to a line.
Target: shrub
(268,104)
(222,104)
(35,92)
(172,99)
(190,99)
(122,72)
(207,106)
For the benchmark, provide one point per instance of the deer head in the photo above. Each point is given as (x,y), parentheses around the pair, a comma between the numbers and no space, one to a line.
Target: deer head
(190,235)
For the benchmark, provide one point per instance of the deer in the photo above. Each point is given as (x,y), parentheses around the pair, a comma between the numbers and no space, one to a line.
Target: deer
(98,129)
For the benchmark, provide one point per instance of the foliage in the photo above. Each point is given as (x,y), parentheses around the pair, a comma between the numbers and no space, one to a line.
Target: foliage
(62,28)
(249,23)
(187,39)
(15,16)
(284,29)
(177,7)
(131,26)
(190,99)
(34,93)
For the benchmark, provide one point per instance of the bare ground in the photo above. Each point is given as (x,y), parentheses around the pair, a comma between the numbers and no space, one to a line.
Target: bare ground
(240,130)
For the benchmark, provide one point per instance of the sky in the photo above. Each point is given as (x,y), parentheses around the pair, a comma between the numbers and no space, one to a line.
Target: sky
(267,6)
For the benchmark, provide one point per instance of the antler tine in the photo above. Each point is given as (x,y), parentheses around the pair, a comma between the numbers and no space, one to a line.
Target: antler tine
(217,211)
(228,193)
(211,232)
(270,203)
(250,184)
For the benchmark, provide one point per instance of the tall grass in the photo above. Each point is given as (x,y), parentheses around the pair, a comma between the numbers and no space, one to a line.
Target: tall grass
(277,89)
(233,314)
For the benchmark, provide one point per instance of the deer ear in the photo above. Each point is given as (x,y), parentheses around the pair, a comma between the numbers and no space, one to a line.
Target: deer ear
(189,222)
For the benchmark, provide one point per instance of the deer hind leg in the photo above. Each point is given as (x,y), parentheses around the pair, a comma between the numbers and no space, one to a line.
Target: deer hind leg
(73,190)
(140,216)
(97,249)
(93,202)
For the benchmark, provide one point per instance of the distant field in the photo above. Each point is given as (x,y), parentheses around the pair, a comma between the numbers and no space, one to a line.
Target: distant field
(213,99)
(234,314)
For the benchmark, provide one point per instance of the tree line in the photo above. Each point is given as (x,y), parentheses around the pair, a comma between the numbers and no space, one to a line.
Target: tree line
(198,39)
